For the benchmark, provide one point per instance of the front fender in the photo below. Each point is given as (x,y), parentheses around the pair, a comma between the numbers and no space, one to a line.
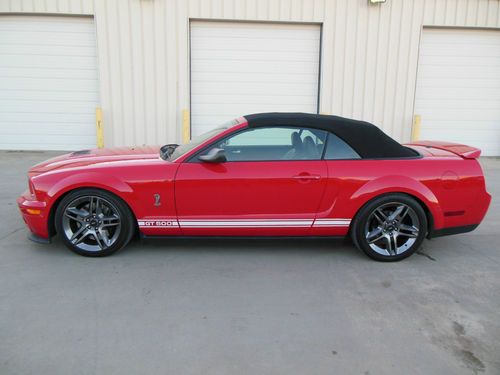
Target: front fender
(52,191)
(400,184)
(90,179)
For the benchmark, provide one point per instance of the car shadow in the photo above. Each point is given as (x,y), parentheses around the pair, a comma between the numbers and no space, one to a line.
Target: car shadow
(338,246)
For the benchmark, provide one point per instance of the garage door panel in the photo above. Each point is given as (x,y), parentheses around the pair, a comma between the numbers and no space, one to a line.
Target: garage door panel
(459,37)
(249,30)
(35,106)
(23,72)
(40,95)
(21,83)
(43,129)
(432,104)
(283,78)
(464,61)
(458,87)
(241,68)
(43,142)
(61,118)
(479,126)
(273,45)
(476,93)
(40,24)
(255,88)
(41,138)
(47,39)
(487,139)
(57,41)
(27,49)
(465,114)
(460,82)
(48,61)
(245,55)
(468,50)
(253,67)
(48,82)
(440,71)
(241,109)
(270,99)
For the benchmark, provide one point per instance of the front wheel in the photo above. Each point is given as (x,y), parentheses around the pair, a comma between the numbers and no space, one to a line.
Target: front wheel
(94,222)
(390,228)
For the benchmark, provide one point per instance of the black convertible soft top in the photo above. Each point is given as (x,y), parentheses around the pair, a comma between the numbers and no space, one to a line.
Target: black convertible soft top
(365,138)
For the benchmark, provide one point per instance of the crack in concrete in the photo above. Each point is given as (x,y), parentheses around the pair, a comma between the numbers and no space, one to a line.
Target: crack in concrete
(425,255)
(11,233)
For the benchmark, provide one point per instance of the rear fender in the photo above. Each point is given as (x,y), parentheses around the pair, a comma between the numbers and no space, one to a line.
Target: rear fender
(400,184)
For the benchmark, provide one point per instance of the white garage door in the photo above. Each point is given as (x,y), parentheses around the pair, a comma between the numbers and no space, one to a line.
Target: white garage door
(458,87)
(243,68)
(48,83)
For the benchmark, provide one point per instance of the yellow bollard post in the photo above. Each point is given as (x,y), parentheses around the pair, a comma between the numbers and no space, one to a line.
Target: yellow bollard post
(186,130)
(415,132)
(99,129)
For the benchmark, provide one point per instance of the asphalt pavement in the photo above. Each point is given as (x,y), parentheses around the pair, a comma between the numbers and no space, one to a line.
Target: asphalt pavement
(179,306)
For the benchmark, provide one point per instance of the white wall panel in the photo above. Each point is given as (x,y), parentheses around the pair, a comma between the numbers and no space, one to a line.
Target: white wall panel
(369,54)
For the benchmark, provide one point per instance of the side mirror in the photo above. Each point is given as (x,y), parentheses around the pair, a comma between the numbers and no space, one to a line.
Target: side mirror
(215,155)
(167,150)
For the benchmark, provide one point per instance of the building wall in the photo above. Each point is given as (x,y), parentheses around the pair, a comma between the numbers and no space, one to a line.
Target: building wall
(369,54)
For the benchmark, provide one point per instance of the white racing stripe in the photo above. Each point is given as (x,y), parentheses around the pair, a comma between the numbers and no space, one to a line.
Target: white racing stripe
(242,223)
(331,222)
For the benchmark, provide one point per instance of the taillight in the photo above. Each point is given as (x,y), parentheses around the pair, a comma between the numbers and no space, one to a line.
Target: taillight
(31,187)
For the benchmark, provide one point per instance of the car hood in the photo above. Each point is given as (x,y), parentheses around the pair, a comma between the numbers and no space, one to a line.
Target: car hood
(95,156)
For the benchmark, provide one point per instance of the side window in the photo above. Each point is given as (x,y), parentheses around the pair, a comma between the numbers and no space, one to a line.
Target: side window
(274,143)
(261,137)
(337,149)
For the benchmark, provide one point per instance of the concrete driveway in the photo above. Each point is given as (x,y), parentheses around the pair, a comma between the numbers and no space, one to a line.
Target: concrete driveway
(246,307)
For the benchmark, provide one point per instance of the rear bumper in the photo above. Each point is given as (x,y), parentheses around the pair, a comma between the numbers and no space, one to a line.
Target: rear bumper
(33,237)
(35,214)
(464,220)
(451,230)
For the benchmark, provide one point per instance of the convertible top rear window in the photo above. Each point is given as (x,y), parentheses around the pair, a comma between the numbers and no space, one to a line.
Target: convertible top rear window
(337,149)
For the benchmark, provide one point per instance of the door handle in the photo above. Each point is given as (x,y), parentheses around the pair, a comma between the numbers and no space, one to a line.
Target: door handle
(307,177)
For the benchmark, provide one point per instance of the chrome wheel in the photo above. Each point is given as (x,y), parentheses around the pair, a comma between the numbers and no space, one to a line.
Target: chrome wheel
(91,223)
(392,229)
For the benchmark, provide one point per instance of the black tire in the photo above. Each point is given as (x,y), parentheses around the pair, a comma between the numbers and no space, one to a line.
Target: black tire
(392,239)
(104,220)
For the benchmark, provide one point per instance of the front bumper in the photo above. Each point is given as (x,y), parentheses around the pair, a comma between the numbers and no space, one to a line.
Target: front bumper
(35,214)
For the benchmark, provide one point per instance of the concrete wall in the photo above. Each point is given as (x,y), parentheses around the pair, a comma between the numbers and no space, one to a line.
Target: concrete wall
(369,54)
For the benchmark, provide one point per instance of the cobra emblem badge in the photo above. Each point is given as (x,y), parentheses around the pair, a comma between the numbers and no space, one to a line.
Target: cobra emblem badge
(157,200)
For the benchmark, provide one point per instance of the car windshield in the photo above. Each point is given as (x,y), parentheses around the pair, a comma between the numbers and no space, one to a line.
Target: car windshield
(199,139)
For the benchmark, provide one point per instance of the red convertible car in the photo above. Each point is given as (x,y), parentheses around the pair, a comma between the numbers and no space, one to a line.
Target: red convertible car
(268,174)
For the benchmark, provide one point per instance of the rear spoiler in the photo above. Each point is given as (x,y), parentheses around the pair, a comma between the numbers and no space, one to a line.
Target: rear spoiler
(466,152)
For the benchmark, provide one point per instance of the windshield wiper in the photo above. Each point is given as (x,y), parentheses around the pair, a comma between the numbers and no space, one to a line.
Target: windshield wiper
(167,150)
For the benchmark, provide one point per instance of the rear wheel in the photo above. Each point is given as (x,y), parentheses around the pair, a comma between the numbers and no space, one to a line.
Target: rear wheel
(93,222)
(390,228)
